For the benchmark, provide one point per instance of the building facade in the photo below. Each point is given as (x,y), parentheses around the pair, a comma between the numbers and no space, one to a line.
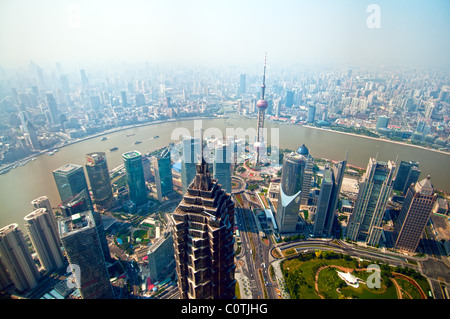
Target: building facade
(222,165)
(45,239)
(163,174)
(414,215)
(203,225)
(189,160)
(291,184)
(365,223)
(99,179)
(83,249)
(135,177)
(16,258)
(70,180)
(408,173)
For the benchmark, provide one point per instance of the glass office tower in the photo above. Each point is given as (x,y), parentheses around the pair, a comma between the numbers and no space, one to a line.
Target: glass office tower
(135,177)
(98,174)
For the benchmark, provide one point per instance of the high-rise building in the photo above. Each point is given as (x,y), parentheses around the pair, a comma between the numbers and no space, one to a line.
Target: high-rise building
(135,177)
(203,240)
(289,99)
(324,213)
(53,108)
(414,215)
(83,249)
(329,198)
(70,180)
(82,203)
(123,94)
(365,223)
(222,165)
(44,202)
(189,160)
(163,174)
(311,113)
(382,122)
(84,78)
(308,174)
(242,84)
(290,190)
(98,174)
(160,257)
(45,239)
(16,258)
(408,173)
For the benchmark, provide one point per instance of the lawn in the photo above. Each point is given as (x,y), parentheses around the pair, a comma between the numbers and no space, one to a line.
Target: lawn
(300,276)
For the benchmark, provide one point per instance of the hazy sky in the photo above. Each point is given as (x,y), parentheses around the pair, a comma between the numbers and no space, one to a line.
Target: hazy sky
(227,32)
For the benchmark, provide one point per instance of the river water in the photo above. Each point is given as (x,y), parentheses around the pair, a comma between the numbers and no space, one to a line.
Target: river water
(23,184)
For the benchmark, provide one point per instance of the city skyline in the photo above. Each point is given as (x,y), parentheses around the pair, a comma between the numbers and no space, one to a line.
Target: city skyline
(100,109)
(206,33)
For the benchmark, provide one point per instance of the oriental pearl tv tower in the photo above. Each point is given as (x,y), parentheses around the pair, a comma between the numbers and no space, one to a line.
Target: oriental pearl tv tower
(262,106)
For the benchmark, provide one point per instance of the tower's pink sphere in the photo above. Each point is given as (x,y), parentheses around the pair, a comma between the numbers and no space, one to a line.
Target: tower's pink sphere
(262,104)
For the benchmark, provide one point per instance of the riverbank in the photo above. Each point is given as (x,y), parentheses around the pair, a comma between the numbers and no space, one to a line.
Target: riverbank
(23,161)
(379,139)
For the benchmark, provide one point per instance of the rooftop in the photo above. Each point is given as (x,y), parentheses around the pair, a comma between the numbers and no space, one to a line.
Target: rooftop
(131,154)
(67,168)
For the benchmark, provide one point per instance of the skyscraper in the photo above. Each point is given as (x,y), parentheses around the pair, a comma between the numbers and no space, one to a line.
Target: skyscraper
(329,198)
(408,173)
(382,122)
(262,105)
(98,174)
(222,165)
(311,113)
(189,160)
(135,177)
(53,108)
(82,203)
(374,191)
(290,190)
(203,240)
(414,215)
(45,239)
(44,202)
(324,213)
(16,258)
(82,246)
(70,180)
(163,174)
(307,174)
(242,84)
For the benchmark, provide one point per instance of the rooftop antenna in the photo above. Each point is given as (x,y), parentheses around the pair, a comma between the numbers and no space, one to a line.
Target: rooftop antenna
(263,86)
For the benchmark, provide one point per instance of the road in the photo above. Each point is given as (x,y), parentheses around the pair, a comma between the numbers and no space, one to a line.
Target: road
(255,254)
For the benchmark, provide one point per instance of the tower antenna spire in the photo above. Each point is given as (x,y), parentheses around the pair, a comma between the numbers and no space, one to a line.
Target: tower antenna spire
(263,86)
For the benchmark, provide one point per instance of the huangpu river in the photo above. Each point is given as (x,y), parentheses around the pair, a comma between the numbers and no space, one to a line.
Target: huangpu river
(25,183)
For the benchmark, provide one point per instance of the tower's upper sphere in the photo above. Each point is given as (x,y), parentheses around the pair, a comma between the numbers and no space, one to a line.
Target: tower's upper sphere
(262,104)
(303,150)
